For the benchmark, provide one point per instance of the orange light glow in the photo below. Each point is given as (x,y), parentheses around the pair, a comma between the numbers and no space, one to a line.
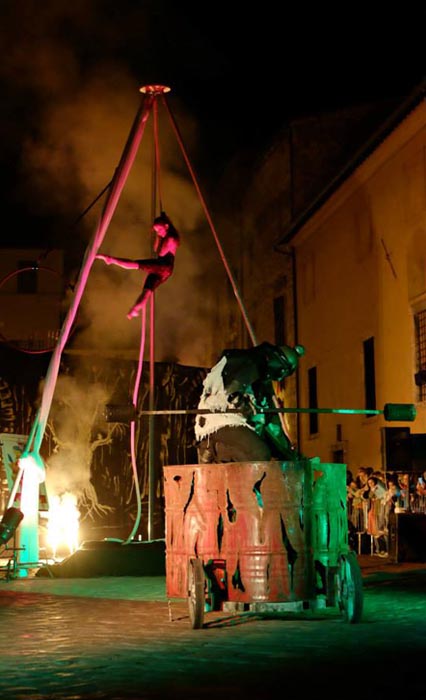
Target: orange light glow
(63,524)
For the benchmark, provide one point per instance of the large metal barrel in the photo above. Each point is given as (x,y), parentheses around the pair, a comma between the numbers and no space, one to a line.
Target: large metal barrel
(329,536)
(255,516)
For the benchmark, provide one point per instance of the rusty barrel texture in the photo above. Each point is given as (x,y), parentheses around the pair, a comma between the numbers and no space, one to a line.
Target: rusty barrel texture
(329,511)
(255,516)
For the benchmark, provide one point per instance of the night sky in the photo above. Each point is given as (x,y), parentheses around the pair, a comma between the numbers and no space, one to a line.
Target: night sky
(238,72)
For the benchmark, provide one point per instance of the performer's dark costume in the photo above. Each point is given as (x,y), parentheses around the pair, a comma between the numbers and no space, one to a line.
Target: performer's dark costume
(242,379)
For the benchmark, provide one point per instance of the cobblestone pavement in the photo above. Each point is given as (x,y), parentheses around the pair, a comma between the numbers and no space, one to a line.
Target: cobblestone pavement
(112,638)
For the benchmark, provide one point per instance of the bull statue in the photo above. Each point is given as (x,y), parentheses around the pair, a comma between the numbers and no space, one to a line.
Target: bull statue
(237,421)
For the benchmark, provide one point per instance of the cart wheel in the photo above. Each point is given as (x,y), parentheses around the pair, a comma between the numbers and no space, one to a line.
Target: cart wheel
(349,587)
(196,598)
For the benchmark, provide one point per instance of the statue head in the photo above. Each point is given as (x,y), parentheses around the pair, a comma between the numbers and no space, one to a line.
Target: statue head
(285,361)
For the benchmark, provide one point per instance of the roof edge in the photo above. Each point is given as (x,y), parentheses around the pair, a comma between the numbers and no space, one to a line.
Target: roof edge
(362,154)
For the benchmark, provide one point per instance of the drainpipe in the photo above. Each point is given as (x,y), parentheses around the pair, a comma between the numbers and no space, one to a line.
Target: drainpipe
(296,339)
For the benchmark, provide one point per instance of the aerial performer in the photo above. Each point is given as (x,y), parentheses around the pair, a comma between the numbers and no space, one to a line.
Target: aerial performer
(159,269)
(241,381)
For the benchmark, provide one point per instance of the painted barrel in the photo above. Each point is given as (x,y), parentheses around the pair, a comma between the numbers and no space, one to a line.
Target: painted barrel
(255,516)
(329,511)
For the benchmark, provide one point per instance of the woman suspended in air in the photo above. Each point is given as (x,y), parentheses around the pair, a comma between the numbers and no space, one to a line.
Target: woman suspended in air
(159,269)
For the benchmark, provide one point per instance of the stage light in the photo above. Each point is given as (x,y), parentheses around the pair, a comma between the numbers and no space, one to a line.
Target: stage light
(120,413)
(9,523)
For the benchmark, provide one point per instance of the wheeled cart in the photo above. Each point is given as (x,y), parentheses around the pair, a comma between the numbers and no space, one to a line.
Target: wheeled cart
(260,536)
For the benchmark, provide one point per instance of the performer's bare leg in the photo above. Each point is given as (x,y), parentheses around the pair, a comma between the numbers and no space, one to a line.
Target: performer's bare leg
(139,304)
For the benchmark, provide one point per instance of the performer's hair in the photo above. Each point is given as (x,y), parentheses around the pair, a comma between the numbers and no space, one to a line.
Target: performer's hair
(162,219)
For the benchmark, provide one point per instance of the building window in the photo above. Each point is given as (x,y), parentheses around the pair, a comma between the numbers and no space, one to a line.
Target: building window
(338,456)
(420,339)
(369,376)
(27,281)
(313,400)
(279,320)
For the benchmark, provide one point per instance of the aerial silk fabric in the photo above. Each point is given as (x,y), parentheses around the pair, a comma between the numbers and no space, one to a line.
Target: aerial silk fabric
(114,192)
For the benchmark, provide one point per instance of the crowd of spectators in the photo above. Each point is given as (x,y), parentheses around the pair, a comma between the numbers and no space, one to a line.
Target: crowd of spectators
(372,497)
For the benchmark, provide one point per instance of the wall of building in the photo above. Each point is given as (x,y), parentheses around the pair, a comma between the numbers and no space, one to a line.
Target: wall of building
(32,318)
(307,154)
(360,266)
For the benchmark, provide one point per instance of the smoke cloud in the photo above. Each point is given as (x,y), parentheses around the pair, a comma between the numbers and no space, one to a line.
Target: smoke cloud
(75,412)
(79,97)
(70,96)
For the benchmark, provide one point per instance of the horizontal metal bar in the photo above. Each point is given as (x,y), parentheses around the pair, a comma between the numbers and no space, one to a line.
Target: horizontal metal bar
(202,411)
(391,412)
